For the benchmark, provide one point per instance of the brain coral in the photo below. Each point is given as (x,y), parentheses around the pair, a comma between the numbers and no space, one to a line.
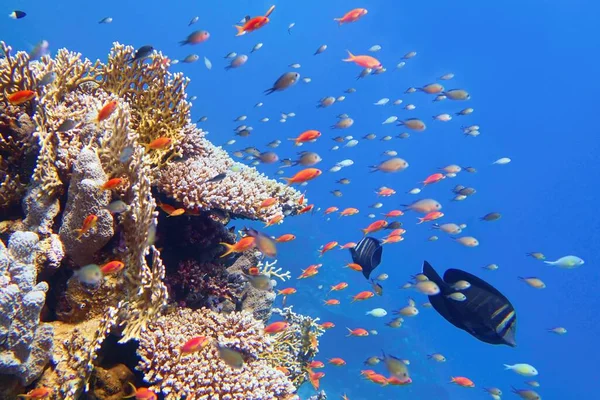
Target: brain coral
(203,375)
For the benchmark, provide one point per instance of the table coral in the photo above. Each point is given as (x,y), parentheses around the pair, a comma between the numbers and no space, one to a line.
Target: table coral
(203,375)
(25,342)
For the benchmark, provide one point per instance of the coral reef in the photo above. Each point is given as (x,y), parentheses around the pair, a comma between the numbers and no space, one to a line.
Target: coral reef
(25,342)
(85,198)
(295,347)
(203,375)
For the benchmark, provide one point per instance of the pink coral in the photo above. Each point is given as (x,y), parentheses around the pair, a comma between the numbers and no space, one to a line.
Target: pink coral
(203,375)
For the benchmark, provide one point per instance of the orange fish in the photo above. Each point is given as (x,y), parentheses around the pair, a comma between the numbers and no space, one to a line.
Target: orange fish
(349,245)
(112,183)
(194,344)
(392,239)
(245,243)
(312,270)
(306,136)
(89,223)
(338,362)
(316,364)
(354,267)
(363,61)
(301,199)
(170,210)
(303,176)
(327,325)
(20,97)
(268,202)
(375,227)
(288,237)
(158,144)
(332,302)
(106,111)
(275,220)
(363,296)
(392,380)
(287,291)
(394,213)
(357,332)
(434,178)
(331,210)
(253,271)
(385,192)
(378,379)
(348,212)
(367,372)
(327,247)
(306,209)
(277,327)
(141,393)
(283,369)
(432,216)
(397,232)
(255,23)
(37,393)
(112,267)
(462,381)
(338,287)
(313,378)
(351,16)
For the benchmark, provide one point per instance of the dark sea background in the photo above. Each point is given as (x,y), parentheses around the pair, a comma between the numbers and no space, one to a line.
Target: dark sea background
(531,68)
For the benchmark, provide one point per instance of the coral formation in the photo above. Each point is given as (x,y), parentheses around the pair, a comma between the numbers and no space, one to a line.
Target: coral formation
(203,375)
(25,342)
(85,197)
(295,347)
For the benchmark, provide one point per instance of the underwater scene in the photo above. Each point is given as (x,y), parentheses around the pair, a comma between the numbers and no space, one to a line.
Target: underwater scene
(294,200)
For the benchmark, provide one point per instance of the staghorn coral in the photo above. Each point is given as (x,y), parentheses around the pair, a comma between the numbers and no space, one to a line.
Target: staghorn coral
(84,198)
(296,346)
(239,193)
(203,375)
(25,343)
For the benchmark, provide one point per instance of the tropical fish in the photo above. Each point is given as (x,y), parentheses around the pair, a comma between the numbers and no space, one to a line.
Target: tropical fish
(252,24)
(485,314)
(351,16)
(367,254)
(567,262)
(283,82)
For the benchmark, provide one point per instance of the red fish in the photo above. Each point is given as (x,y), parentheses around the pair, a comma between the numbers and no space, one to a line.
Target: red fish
(112,267)
(327,325)
(277,327)
(357,332)
(348,212)
(349,245)
(462,381)
(316,364)
(20,97)
(106,111)
(329,246)
(434,178)
(287,291)
(331,210)
(172,211)
(255,23)
(332,302)
(141,393)
(363,296)
(288,237)
(385,192)
(307,136)
(158,144)
(338,362)
(432,216)
(268,202)
(37,393)
(354,267)
(397,232)
(375,227)
(394,213)
(363,61)
(303,176)
(392,239)
(306,209)
(112,183)
(392,380)
(351,16)
(89,223)
(245,243)
(312,270)
(338,287)
(378,379)
(194,344)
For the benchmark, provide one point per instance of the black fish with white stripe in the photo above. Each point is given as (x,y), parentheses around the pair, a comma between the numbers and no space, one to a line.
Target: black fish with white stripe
(485,314)
(367,254)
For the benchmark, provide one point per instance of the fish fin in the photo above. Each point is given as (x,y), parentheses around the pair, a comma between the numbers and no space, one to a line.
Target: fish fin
(240,30)
(350,57)
(550,262)
(269,91)
(183,42)
(229,248)
(421,220)
(288,180)
(507,367)
(134,391)
(270,11)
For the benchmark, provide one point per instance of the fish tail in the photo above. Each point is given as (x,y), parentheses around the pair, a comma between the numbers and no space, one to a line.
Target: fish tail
(452,379)
(350,57)
(549,262)
(269,11)
(365,231)
(288,180)
(134,391)
(421,220)
(79,233)
(338,20)
(229,248)
(349,330)
(183,42)
(269,91)
(240,30)
(507,367)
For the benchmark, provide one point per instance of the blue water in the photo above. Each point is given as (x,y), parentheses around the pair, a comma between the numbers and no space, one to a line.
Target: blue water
(531,70)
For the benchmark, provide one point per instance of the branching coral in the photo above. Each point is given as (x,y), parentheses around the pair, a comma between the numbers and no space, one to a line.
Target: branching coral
(296,346)
(203,375)
(267,269)
(240,193)
(25,343)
